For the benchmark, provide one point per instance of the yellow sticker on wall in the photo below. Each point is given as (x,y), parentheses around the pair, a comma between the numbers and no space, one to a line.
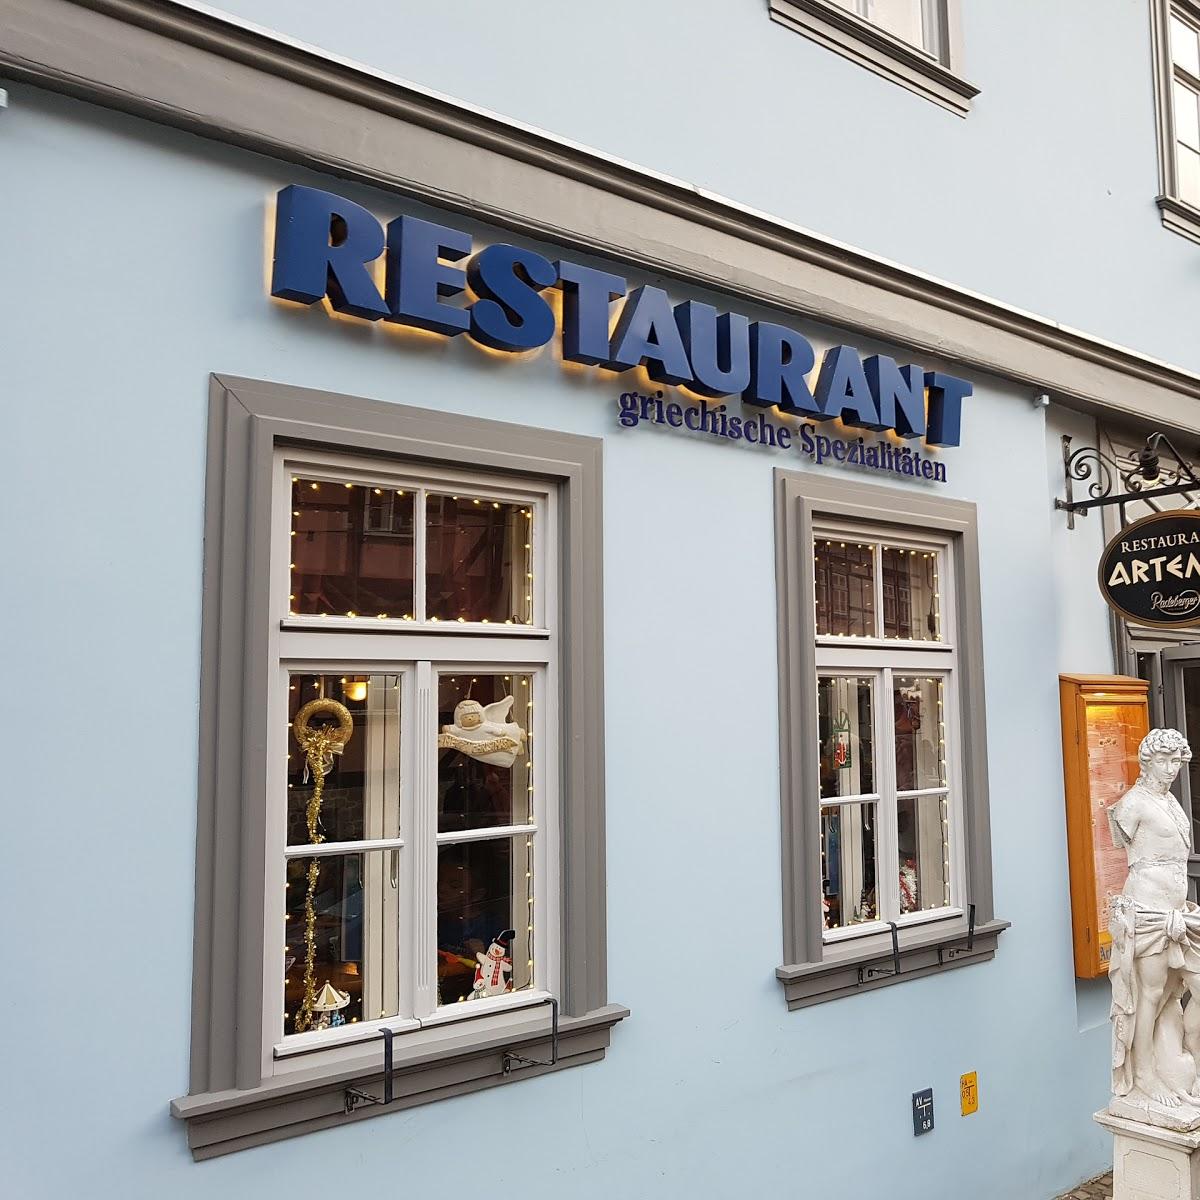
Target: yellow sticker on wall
(968,1090)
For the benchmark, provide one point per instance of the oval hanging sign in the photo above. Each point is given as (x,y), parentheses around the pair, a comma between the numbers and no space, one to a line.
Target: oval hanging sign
(1150,572)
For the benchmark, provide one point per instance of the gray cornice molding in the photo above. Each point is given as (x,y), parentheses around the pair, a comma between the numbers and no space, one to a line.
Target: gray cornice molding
(1180,217)
(191,69)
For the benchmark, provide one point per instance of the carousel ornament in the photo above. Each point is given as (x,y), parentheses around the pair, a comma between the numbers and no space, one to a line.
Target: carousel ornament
(328,1006)
(483,731)
(320,744)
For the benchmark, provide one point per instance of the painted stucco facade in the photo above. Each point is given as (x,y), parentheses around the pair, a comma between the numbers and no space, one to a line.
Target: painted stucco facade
(135,259)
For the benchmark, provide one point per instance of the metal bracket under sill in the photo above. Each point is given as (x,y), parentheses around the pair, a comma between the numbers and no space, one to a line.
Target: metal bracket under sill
(355,1096)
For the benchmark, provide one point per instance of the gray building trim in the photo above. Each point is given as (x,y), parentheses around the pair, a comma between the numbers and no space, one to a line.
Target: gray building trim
(1177,214)
(923,951)
(833,26)
(813,971)
(247,421)
(194,70)
(224,1122)
(1180,217)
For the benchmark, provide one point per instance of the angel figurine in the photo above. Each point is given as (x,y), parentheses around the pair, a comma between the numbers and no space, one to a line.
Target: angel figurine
(483,731)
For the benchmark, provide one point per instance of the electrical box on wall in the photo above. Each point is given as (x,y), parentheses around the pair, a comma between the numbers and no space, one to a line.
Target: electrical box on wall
(1104,718)
(922,1111)
(968,1093)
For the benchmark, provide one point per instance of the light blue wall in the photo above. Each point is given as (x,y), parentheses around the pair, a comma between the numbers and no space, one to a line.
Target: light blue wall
(1042,197)
(135,266)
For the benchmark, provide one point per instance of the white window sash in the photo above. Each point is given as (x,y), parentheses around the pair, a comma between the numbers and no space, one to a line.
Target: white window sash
(882,659)
(416,653)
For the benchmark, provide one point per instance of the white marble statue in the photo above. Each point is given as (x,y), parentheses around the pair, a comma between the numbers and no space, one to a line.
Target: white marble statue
(1155,948)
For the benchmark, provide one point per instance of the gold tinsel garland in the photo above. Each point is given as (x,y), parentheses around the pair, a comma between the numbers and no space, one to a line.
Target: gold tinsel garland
(320,744)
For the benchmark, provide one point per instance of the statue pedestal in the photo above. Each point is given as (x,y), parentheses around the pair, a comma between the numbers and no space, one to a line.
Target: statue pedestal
(1151,1163)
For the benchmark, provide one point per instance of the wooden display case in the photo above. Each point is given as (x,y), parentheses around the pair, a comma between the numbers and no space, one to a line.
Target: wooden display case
(1104,718)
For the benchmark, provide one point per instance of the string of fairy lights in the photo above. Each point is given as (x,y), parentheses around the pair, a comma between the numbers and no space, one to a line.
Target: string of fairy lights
(320,743)
(310,601)
(362,517)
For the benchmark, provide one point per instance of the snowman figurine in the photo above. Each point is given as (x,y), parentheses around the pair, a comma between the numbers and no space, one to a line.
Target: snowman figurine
(494,967)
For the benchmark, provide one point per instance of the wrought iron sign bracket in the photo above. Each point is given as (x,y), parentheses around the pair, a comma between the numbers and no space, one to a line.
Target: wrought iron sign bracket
(1106,476)
(866,974)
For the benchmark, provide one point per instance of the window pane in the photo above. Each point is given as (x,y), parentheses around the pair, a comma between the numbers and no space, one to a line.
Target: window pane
(848,864)
(352,550)
(899,17)
(1187,126)
(911,603)
(1183,46)
(845,579)
(845,733)
(923,828)
(485,773)
(1189,174)
(480,560)
(360,794)
(920,733)
(485,918)
(348,943)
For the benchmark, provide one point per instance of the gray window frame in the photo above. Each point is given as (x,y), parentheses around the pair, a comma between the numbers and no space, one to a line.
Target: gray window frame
(230,1104)
(936,78)
(813,970)
(1178,215)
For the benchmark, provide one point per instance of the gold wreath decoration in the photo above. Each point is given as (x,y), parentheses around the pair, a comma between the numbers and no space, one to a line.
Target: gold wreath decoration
(305,733)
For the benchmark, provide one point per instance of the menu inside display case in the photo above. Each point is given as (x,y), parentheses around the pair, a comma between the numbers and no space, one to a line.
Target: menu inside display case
(1104,718)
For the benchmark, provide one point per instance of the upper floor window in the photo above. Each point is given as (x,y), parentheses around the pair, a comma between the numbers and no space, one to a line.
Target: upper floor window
(921,23)
(915,43)
(1176,30)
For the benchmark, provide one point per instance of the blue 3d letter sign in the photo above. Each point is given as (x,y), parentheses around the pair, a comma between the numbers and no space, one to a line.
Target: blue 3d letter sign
(324,245)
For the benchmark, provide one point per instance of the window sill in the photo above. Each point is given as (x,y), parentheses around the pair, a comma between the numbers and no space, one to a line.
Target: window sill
(1180,217)
(838,29)
(924,950)
(302,1101)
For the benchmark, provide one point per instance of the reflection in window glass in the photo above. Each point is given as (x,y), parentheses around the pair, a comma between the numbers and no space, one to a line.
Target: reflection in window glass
(485,773)
(902,18)
(923,827)
(917,705)
(479,556)
(848,864)
(351,550)
(1187,122)
(845,587)
(355,933)
(485,918)
(361,794)
(1184,51)
(845,733)
(911,600)
(1189,174)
